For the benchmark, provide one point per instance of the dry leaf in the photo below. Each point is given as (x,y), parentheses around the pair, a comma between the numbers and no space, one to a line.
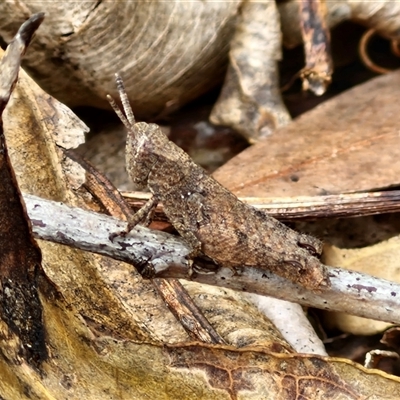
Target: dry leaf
(347,144)
(101,366)
(168,52)
(381,260)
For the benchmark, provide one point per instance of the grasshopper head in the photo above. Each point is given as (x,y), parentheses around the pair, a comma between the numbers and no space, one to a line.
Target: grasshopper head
(139,160)
(145,144)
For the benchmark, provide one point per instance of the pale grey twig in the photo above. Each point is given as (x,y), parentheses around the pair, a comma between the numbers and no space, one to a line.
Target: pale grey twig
(350,292)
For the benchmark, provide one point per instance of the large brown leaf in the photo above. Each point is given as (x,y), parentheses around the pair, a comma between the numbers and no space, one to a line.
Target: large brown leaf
(347,144)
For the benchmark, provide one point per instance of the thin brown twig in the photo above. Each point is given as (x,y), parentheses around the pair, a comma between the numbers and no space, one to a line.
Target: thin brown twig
(185,311)
(307,207)
(101,188)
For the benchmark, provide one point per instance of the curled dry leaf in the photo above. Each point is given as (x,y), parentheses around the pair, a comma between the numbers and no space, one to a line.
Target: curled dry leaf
(381,260)
(347,144)
(169,52)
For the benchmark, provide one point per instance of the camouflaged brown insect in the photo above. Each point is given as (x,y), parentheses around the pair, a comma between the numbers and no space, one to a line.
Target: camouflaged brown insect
(209,217)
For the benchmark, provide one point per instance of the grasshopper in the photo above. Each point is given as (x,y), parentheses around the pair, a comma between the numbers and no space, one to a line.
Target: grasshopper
(211,219)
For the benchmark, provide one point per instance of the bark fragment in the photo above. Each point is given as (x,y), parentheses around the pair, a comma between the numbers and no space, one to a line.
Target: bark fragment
(317,73)
(250,99)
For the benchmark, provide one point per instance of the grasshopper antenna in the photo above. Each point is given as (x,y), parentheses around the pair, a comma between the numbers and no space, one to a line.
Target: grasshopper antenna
(129,119)
(124,99)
